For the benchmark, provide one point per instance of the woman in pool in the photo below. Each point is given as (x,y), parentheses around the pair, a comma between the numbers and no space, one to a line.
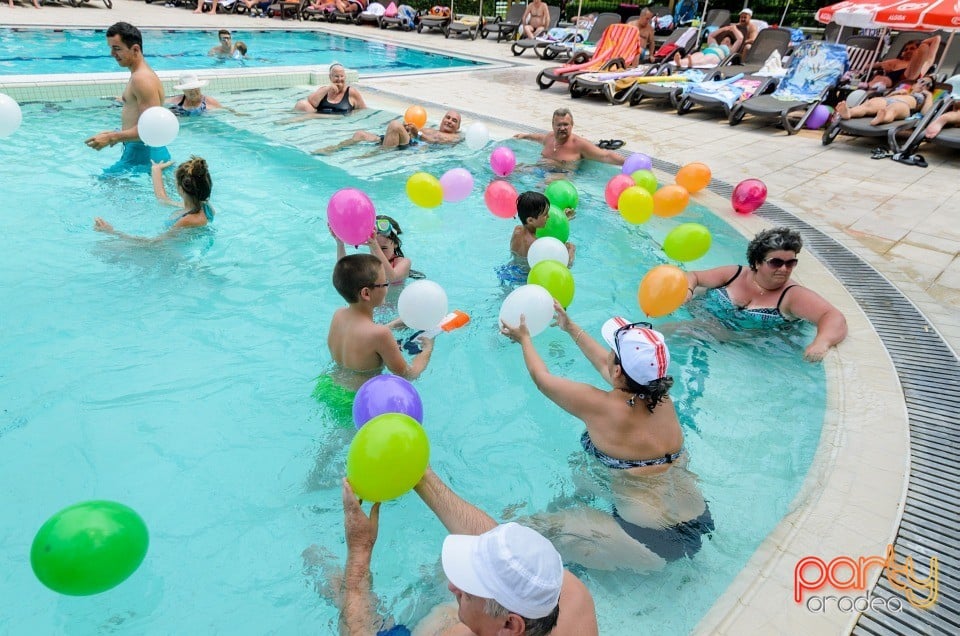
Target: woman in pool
(335,99)
(659,514)
(764,294)
(385,244)
(194,185)
(192,101)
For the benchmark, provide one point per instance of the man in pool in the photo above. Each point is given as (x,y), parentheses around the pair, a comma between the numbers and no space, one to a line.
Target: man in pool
(447,133)
(402,135)
(144,90)
(226,47)
(561,145)
(507,578)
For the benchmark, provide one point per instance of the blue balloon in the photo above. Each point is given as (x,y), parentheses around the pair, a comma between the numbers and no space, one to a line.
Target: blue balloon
(386,394)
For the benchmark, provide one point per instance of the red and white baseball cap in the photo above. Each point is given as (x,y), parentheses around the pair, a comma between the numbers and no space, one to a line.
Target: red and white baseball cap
(642,350)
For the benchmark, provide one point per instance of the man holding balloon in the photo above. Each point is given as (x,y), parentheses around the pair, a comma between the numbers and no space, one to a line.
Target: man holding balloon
(562,145)
(144,90)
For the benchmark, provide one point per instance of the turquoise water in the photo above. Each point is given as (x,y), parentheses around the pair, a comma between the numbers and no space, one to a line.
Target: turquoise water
(34,51)
(177,379)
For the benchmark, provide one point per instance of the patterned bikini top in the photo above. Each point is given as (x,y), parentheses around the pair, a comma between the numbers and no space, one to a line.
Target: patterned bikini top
(724,307)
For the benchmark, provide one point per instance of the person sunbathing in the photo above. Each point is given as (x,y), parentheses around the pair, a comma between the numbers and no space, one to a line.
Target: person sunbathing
(915,59)
(894,106)
(950,118)
(712,53)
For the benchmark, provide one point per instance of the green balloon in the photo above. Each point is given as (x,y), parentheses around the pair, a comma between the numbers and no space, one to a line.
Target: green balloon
(687,242)
(387,457)
(558,226)
(556,279)
(89,548)
(562,194)
(646,180)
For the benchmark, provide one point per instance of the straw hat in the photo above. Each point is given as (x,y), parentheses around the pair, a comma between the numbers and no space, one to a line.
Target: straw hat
(190,81)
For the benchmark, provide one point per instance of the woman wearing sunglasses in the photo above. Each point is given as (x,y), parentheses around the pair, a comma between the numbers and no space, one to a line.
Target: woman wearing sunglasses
(658,514)
(763,294)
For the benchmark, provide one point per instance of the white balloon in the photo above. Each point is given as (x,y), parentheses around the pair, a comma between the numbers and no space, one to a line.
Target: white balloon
(548,248)
(422,304)
(477,136)
(10,115)
(157,126)
(534,302)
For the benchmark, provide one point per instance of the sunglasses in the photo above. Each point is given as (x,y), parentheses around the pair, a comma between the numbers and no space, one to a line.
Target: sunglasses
(777,263)
(384,227)
(616,334)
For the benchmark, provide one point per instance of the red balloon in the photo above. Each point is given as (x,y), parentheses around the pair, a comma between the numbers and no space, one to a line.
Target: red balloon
(748,196)
(501,199)
(615,188)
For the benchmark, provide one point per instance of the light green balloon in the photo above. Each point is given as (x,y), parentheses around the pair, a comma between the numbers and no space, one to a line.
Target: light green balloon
(558,226)
(687,242)
(387,457)
(555,278)
(646,180)
(89,548)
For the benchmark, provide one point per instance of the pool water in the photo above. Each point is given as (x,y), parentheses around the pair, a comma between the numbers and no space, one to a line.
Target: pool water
(177,379)
(34,51)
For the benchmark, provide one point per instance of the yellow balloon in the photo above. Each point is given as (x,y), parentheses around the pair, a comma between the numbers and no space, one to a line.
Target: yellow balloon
(425,190)
(662,290)
(387,457)
(635,205)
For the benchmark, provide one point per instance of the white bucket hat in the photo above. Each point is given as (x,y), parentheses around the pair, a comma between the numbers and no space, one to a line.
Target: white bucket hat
(189,81)
(512,564)
(643,351)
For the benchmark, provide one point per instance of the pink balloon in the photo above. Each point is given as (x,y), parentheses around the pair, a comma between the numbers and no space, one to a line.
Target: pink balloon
(502,160)
(351,216)
(615,188)
(749,195)
(457,184)
(501,199)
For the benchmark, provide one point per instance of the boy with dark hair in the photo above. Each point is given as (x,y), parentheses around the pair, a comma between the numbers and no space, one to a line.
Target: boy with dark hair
(356,342)
(532,209)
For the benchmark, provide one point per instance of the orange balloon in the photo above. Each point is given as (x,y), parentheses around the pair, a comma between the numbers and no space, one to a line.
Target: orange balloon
(662,290)
(670,200)
(694,176)
(416,115)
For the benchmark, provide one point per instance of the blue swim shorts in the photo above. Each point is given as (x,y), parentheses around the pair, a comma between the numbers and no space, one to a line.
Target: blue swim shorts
(136,157)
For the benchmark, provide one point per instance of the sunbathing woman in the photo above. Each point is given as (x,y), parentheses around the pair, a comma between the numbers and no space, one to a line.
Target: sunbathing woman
(659,514)
(897,105)
(915,59)
(712,53)
(194,185)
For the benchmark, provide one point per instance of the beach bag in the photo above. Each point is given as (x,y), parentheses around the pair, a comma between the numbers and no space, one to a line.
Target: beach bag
(390,11)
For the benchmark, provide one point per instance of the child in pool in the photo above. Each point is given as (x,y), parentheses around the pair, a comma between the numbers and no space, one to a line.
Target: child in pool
(356,342)
(194,185)
(532,210)
(385,244)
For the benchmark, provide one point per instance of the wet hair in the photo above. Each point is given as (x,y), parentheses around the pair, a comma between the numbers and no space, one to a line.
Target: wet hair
(193,177)
(531,205)
(652,393)
(128,33)
(562,112)
(222,31)
(532,626)
(394,234)
(354,272)
(242,47)
(778,238)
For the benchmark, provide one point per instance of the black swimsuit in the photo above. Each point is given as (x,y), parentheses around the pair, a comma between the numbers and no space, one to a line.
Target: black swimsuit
(343,107)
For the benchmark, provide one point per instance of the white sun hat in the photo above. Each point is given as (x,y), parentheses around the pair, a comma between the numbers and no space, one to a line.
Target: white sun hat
(189,81)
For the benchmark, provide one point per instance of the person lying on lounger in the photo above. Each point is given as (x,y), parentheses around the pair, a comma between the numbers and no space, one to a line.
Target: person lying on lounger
(712,53)
(915,59)
(949,118)
(894,106)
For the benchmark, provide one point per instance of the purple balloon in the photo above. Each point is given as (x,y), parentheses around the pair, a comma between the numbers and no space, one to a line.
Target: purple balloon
(502,160)
(457,184)
(386,394)
(818,117)
(637,161)
(351,216)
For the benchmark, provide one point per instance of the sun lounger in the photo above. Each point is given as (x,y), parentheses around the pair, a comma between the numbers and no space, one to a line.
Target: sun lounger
(768,40)
(404,17)
(578,41)
(507,27)
(814,71)
(518,47)
(725,94)
(435,21)
(618,48)
(468,25)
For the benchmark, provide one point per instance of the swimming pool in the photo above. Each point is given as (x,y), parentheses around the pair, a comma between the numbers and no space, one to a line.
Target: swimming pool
(177,380)
(36,51)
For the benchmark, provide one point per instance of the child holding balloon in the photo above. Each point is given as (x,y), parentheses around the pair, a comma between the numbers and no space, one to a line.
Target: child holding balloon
(533,210)
(385,244)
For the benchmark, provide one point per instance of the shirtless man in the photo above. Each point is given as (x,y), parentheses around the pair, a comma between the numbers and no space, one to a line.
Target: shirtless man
(226,47)
(536,19)
(644,23)
(447,133)
(562,145)
(144,90)
(746,26)
(402,135)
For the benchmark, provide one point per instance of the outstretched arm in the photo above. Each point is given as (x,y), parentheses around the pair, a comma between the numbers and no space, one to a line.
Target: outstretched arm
(457,515)
(592,151)
(538,137)
(147,96)
(595,352)
(357,615)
